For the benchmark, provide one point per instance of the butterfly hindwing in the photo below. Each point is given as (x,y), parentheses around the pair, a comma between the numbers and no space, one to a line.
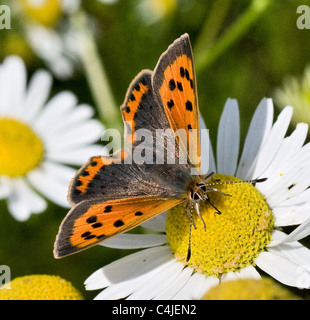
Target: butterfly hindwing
(103,178)
(91,222)
(85,185)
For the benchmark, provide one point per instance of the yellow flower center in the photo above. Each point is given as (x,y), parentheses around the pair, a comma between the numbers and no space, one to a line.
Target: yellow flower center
(233,239)
(45,12)
(39,287)
(21,150)
(250,289)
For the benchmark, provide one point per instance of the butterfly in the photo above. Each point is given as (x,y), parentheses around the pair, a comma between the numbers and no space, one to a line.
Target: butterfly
(110,196)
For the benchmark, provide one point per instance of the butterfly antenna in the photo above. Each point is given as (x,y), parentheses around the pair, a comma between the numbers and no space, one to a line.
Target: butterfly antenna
(257,180)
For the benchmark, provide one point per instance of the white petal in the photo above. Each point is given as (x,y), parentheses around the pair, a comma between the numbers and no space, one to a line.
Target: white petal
(60,172)
(192,288)
(79,115)
(173,289)
(278,172)
(294,181)
(299,199)
(207,157)
(228,139)
(55,110)
(23,201)
(135,241)
(52,184)
(12,86)
(259,128)
(276,236)
(77,156)
(273,141)
(299,233)
(5,187)
(291,215)
(248,273)
(123,289)
(158,283)
(209,282)
(88,132)
(129,267)
(288,148)
(293,251)
(158,223)
(229,276)
(279,268)
(37,94)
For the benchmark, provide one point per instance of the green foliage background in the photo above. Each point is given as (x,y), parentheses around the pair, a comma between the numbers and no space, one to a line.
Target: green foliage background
(271,48)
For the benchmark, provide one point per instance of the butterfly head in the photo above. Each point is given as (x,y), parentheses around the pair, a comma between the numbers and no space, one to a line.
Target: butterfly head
(198,190)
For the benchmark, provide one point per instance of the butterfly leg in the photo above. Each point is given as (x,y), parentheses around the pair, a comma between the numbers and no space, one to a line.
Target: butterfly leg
(199,215)
(213,206)
(189,209)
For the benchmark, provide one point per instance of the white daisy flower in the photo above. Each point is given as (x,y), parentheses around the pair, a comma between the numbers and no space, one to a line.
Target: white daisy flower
(296,91)
(47,28)
(241,242)
(39,139)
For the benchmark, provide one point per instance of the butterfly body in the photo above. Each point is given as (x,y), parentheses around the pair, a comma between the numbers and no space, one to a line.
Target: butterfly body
(111,195)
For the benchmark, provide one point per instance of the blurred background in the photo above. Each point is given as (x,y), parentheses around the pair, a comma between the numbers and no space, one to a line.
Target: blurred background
(243,49)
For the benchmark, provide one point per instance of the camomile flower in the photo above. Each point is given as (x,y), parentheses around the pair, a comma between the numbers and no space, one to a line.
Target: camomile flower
(48,31)
(242,241)
(296,91)
(250,289)
(39,139)
(39,287)
(152,11)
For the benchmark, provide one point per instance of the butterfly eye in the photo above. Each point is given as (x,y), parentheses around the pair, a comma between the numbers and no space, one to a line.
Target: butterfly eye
(202,186)
(194,195)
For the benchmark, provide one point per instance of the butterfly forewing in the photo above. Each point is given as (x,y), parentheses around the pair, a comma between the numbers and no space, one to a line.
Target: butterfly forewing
(140,111)
(174,83)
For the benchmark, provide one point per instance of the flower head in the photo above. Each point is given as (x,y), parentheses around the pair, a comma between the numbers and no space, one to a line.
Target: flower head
(47,30)
(240,242)
(39,139)
(250,289)
(39,287)
(296,92)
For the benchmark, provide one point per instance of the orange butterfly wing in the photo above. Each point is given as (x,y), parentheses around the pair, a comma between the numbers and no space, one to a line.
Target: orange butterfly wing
(109,198)
(174,82)
(91,222)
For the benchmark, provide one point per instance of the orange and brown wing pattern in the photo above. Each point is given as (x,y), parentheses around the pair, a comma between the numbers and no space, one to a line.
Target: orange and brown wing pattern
(140,110)
(82,184)
(111,196)
(91,222)
(174,83)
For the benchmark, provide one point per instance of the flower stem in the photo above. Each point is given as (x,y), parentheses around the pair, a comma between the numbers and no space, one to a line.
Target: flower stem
(211,27)
(95,73)
(241,26)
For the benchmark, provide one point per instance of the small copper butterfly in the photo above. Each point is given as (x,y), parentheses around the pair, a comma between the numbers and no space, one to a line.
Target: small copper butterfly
(110,197)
